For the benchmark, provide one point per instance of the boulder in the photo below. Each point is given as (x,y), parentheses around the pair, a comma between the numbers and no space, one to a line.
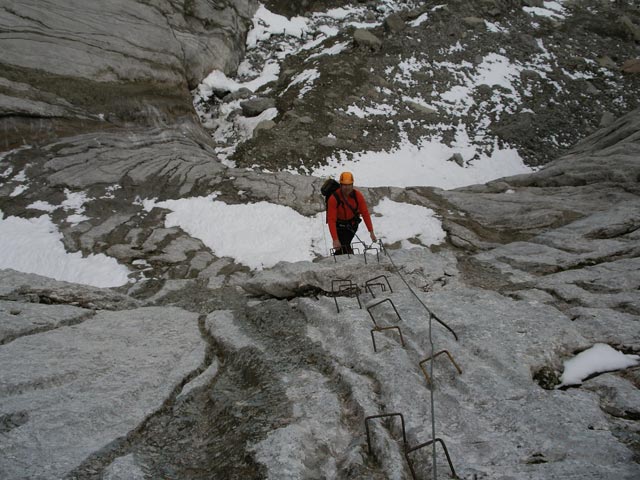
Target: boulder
(366,39)
(420,108)
(631,66)
(473,22)
(240,94)
(630,28)
(328,141)
(394,23)
(255,106)
(607,62)
(263,126)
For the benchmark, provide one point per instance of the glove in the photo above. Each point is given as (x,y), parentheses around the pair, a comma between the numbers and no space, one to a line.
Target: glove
(336,244)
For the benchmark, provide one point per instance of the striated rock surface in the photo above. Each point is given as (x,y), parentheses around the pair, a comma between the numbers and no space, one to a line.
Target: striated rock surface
(84,388)
(200,368)
(89,67)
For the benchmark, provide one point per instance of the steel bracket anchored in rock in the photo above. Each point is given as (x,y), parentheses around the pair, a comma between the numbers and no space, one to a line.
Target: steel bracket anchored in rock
(332,252)
(426,444)
(372,283)
(345,287)
(371,307)
(356,251)
(371,248)
(380,329)
(426,375)
(384,415)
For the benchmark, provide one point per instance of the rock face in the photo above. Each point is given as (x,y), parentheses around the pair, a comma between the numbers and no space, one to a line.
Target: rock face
(79,389)
(547,60)
(119,62)
(203,369)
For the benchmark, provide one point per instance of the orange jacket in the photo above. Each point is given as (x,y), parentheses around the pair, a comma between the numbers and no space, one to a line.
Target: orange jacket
(337,212)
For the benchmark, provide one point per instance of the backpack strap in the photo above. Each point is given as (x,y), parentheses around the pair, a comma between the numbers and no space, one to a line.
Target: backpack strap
(340,202)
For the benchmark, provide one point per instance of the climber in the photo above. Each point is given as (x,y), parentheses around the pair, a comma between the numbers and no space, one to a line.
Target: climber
(343,214)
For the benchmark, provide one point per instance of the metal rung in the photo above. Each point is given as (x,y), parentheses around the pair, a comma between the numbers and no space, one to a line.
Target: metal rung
(371,247)
(367,288)
(345,287)
(369,283)
(366,425)
(381,329)
(426,375)
(332,252)
(370,307)
(422,445)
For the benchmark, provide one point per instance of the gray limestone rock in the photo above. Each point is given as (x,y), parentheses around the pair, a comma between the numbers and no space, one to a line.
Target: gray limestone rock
(618,397)
(420,108)
(113,63)
(473,22)
(394,23)
(137,42)
(366,39)
(240,94)
(255,106)
(631,66)
(607,119)
(607,62)
(177,251)
(86,386)
(327,141)
(263,126)
(18,318)
(180,154)
(27,287)
(535,266)
(124,468)
(630,27)
(287,280)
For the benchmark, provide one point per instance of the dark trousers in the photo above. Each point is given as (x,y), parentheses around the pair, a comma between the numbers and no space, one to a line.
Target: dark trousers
(346,232)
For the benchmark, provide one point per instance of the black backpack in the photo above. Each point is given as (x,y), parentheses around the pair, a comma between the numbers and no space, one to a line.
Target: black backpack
(330,187)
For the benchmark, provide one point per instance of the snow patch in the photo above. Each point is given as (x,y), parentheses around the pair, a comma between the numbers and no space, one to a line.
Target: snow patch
(35,246)
(599,358)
